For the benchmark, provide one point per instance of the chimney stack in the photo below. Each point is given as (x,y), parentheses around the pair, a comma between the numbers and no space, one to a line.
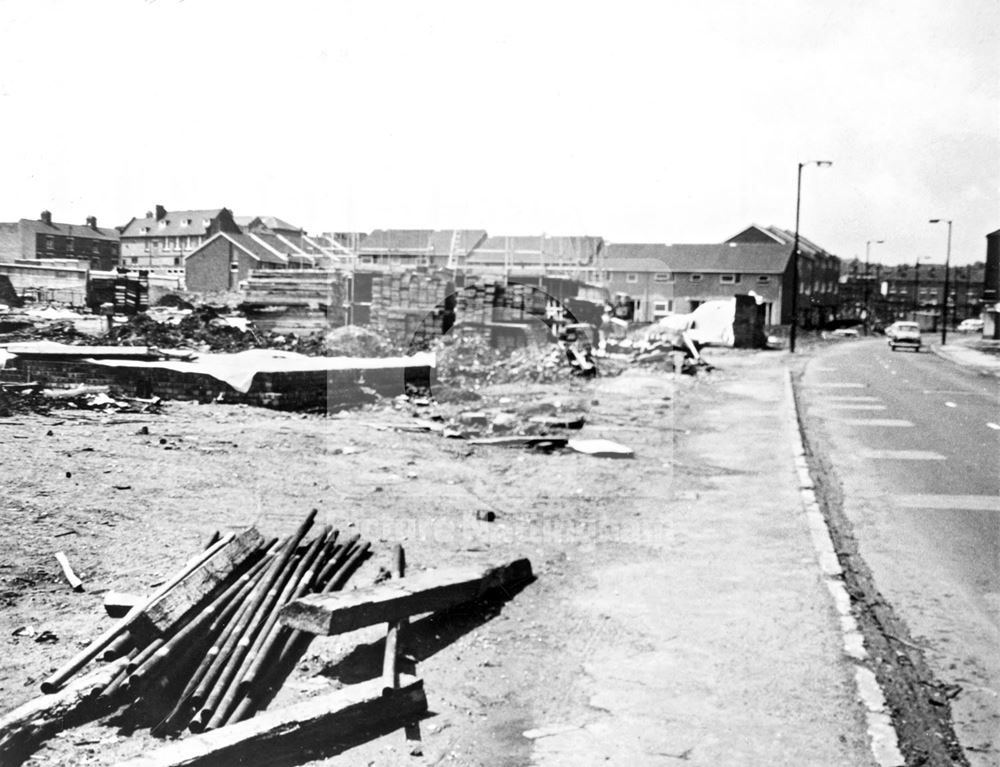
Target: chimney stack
(92,222)
(161,213)
(46,217)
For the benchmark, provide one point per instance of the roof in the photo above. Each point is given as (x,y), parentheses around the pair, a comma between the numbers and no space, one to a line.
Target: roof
(174,224)
(68,230)
(249,244)
(728,257)
(768,234)
(465,240)
(271,222)
(381,241)
(619,250)
(628,264)
(538,249)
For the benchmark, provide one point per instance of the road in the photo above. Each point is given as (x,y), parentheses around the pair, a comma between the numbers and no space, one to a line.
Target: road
(915,443)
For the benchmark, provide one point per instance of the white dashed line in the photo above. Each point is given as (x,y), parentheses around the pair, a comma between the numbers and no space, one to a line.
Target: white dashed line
(852,406)
(887,422)
(993,425)
(903,455)
(950,404)
(837,385)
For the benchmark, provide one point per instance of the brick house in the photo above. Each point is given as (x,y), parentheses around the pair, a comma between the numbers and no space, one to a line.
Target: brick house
(640,271)
(42,239)
(162,239)
(225,259)
(819,272)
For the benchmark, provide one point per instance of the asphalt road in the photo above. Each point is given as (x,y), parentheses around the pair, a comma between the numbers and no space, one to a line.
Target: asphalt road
(915,443)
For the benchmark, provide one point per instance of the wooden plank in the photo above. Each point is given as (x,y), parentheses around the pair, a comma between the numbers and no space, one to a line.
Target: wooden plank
(22,729)
(519,441)
(393,600)
(321,724)
(67,569)
(163,612)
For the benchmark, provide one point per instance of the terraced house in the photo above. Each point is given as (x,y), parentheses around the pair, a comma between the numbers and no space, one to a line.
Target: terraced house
(161,239)
(43,239)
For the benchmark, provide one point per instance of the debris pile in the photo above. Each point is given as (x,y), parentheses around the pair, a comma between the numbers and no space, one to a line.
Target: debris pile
(32,398)
(203,329)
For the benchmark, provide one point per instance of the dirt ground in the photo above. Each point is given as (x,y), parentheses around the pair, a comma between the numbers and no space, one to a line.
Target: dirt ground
(607,538)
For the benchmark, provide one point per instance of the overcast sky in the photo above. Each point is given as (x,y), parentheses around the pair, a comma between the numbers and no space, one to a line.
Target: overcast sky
(649,122)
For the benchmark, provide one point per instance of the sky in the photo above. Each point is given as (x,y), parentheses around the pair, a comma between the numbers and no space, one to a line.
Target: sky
(668,121)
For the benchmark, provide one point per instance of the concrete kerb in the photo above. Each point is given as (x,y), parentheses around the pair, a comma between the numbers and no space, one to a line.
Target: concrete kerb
(967,358)
(883,739)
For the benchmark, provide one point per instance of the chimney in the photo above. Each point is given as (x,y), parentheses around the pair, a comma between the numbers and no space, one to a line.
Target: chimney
(46,217)
(161,213)
(92,222)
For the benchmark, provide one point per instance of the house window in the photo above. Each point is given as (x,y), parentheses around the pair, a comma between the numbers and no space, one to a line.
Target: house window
(69,244)
(631,277)
(729,279)
(661,309)
(763,279)
(50,243)
(95,249)
(177,261)
(695,278)
(135,260)
(234,265)
(662,277)
(146,246)
(366,260)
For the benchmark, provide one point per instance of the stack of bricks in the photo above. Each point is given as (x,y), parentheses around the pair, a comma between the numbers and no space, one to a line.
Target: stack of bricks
(296,301)
(410,304)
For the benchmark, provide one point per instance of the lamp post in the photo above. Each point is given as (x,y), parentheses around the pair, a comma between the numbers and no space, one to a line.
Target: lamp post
(868,284)
(944,298)
(795,252)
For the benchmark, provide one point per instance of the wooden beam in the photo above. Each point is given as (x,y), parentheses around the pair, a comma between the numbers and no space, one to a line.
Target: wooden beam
(163,612)
(393,600)
(319,724)
(22,729)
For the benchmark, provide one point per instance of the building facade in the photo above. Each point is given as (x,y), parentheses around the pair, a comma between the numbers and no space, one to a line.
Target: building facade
(162,239)
(42,239)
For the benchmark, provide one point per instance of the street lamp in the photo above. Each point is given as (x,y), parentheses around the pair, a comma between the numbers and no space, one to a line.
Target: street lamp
(868,309)
(795,251)
(944,298)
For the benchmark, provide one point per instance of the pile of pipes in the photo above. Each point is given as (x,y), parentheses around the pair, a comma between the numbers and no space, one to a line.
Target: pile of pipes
(207,649)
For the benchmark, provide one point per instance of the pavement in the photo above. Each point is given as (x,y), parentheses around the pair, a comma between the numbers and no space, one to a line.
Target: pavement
(960,351)
(724,644)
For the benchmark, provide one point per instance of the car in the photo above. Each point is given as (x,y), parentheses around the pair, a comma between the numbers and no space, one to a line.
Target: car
(905,334)
(970,325)
(845,333)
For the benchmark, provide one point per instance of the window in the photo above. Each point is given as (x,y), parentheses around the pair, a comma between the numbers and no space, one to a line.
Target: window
(763,279)
(69,244)
(662,309)
(366,260)
(95,249)
(50,242)
(729,279)
(177,261)
(146,246)
(695,278)
(631,277)
(662,277)
(135,260)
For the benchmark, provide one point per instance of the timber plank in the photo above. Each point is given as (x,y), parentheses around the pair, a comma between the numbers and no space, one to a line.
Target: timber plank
(163,612)
(424,592)
(316,725)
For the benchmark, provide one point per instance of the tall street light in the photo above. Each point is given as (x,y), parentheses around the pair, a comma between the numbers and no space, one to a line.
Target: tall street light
(795,251)
(868,309)
(944,298)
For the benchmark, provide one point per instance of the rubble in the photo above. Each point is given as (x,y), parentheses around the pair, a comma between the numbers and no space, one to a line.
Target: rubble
(32,398)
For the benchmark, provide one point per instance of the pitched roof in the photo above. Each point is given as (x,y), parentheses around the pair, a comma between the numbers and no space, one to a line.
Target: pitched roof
(618,250)
(248,244)
(68,230)
(382,241)
(176,222)
(538,249)
(764,234)
(271,222)
(728,257)
(629,264)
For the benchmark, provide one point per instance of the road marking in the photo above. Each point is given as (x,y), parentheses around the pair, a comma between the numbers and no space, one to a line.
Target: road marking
(950,404)
(889,422)
(838,385)
(903,455)
(967,502)
(850,398)
(852,406)
(993,425)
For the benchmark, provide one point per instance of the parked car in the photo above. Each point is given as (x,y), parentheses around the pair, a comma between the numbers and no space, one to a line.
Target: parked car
(970,325)
(904,334)
(845,333)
